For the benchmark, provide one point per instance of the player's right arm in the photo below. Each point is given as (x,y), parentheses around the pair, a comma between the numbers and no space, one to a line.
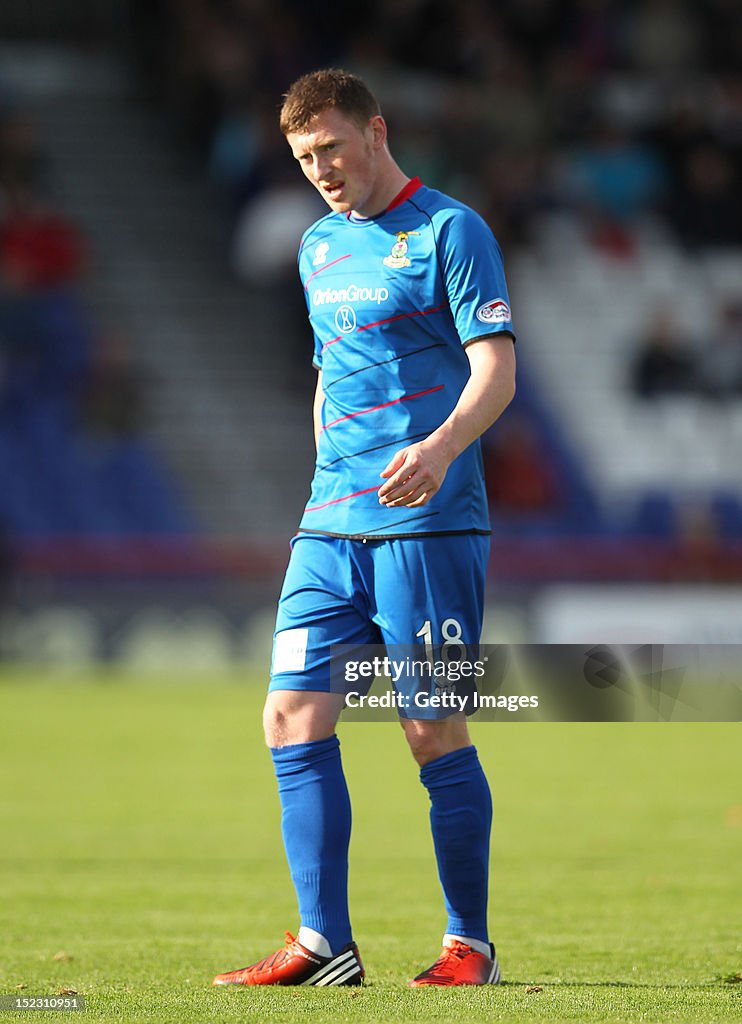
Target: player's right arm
(417,472)
(319,398)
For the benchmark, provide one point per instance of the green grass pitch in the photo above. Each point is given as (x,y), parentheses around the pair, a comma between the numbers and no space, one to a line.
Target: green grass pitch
(140,854)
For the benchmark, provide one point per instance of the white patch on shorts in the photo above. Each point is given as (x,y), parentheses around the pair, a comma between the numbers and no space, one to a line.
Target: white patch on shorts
(290,650)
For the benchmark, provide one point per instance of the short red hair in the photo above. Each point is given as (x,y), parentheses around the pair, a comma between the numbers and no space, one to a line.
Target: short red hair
(331,88)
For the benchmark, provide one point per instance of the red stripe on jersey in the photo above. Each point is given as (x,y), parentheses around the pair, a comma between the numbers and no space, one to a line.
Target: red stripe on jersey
(402,316)
(389,319)
(330,342)
(327,267)
(316,508)
(410,188)
(384,405)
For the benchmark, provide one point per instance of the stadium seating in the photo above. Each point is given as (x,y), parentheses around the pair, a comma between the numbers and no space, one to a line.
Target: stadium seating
(579,321)
(54,481)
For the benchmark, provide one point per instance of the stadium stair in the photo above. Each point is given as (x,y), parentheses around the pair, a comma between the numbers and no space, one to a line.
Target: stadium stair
(221,411)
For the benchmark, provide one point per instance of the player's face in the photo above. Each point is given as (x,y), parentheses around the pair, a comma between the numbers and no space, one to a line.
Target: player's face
(341,160)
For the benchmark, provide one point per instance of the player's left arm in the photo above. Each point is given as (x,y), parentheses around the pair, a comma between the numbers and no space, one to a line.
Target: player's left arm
(418,471)
(319,399)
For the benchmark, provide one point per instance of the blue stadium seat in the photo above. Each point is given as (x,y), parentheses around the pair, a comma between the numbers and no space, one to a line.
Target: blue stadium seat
(132,479)
(656,515)
(727,511)
(53,481)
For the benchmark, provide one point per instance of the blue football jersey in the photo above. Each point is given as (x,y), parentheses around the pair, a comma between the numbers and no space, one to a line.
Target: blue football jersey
(393,300)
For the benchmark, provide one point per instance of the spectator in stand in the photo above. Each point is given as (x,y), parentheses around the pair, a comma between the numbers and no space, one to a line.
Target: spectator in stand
(248,154)
(722,33)
(22,159)
(517,118)
(664,363)
(721,368)
(726,114)
(39,249)
(664,36)
(44,332)
(596,32)
(568,98)
(699,554)
(268,231)
(513,193)
(264,243)
(113,400)
(534,73)
(520,479)
(611,181)
(535,27)
(706,208)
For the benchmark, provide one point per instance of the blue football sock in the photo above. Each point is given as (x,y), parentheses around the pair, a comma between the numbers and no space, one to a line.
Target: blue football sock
(315,821)
(460,819)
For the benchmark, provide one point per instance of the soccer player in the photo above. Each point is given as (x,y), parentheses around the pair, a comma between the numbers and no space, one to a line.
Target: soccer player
(415,359)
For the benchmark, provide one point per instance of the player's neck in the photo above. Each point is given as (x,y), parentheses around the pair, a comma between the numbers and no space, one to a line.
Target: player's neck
(390,182)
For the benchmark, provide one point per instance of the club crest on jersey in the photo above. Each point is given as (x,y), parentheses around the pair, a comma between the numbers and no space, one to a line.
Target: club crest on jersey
(320,254)
(398,257)
(496,311)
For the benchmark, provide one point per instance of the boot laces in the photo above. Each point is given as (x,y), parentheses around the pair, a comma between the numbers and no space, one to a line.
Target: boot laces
(457,951)
(280,954)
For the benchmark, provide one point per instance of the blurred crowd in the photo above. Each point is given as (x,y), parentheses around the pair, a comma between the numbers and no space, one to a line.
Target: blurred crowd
(622,116)
(74,458)
(616,111)
(669,362)
(51,356)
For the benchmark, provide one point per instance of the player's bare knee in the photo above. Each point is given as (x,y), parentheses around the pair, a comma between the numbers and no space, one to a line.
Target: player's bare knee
(275,725)
(424,743)
(423,751)
(430,740)
(279,719)
(294,717)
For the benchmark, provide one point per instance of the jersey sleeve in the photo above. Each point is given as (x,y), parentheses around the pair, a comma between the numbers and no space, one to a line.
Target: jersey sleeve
(474,277)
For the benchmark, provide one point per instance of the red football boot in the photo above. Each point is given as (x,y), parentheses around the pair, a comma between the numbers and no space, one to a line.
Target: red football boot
(297,965)
(459,964)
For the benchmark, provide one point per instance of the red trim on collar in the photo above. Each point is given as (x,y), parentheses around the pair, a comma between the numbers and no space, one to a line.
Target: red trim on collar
(410,188)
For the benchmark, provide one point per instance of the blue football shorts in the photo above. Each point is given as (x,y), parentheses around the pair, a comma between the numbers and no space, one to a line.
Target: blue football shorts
(405,592)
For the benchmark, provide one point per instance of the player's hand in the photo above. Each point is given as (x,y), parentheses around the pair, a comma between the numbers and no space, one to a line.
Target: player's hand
(414,475)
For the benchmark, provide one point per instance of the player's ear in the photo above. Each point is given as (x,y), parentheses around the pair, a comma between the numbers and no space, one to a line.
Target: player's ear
(377,126)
